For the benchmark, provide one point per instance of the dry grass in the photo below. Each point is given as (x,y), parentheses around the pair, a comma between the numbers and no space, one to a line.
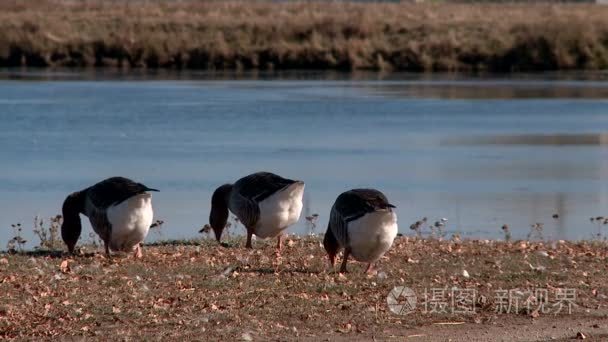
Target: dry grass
(303,35)
(205,292)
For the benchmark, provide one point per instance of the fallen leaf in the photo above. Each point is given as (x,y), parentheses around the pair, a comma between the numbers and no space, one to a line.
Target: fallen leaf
(65,266)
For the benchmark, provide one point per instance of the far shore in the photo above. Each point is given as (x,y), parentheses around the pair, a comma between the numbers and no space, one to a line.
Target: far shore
(264,35)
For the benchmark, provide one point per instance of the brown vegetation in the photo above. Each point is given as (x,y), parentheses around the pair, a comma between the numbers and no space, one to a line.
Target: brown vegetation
(202,291)
(303,35)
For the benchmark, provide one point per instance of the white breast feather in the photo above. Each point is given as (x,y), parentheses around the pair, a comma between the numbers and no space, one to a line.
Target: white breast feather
(372,235)
(279,211)
(130,221)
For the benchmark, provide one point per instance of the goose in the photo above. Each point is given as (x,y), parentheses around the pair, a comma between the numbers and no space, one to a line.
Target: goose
(120,212)
(265,203)
(361,221)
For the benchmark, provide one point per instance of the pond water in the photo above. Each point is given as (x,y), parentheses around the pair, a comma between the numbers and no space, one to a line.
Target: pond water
(481,151)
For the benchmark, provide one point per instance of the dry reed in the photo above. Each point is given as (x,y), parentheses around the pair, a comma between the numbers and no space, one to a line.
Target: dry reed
(303,35)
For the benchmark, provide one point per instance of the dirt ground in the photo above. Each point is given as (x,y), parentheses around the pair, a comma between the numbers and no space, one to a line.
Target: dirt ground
(464,291)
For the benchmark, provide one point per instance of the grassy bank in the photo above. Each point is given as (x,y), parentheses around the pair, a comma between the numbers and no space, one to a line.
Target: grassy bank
(303,35)
(201,291)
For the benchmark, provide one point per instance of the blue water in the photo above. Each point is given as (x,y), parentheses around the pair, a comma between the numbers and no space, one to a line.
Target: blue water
(479,151)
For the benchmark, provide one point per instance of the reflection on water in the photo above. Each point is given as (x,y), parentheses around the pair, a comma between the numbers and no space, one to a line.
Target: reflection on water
(531,139)
(481,151)
(500,90)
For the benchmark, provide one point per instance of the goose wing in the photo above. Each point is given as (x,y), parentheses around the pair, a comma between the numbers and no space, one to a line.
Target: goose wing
(113,191)
(259,186)
(245,209)
(250,190)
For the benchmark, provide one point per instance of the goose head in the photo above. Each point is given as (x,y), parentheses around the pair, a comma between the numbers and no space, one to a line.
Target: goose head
(331,246)
(218,217)
(71,226)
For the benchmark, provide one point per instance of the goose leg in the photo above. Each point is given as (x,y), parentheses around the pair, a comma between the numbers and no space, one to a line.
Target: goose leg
(279,243)
(138,254)
(249,234)
(332,260)
(106,242)
(370,268)
(277,254)
(107,248)
(344,260)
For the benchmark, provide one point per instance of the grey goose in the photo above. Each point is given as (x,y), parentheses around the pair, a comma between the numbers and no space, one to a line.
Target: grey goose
(363,223)
(264,202)
(120,212)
